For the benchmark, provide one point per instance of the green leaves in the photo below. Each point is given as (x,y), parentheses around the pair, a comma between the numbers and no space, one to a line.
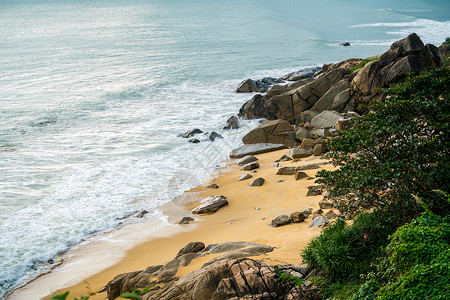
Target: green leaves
(400,148)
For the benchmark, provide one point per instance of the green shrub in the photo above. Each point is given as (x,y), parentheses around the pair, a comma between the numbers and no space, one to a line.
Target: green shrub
(416,265)
(447,41)
(363,63)
(344,251)
(400,149)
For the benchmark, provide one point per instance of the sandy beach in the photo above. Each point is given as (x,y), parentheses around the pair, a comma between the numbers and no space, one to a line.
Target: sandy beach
(247,217)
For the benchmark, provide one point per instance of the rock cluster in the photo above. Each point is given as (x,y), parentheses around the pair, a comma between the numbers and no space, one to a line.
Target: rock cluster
(335,88)
(231,276)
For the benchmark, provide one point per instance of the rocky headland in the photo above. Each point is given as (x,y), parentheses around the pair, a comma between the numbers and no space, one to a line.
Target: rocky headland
(302,111)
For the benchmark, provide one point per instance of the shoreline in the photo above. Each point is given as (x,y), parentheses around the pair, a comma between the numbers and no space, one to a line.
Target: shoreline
(240,221)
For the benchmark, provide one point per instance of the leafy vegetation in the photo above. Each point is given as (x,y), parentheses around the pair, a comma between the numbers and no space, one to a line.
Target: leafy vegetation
(136,293)
(344,251)
(393,169)
(398,150)
(362,64)
(416,264)
(288,279)
(63,296)
(447,41)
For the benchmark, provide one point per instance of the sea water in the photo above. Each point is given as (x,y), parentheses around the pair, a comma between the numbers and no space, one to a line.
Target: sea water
(94,93)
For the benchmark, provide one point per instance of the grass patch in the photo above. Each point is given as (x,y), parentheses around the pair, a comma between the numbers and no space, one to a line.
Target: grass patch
(362,64)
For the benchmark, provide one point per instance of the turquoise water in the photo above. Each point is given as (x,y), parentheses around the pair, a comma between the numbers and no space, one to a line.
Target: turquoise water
(94,93)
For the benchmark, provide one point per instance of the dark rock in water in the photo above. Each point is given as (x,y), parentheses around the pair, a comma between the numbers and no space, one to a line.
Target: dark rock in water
(190,133)
(192,247)
(255,149)
(212,186)
(257,182)
(245,177)
(280,221)
(246,160)
(210,205)
(232,123)
(254,108)
(300,74)
(346,44)
(250,166)
(141,214)
(186,220)
(261,86)
(275,131)
(213,135)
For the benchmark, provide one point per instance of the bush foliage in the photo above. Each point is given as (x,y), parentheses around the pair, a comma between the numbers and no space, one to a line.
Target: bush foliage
(401,148)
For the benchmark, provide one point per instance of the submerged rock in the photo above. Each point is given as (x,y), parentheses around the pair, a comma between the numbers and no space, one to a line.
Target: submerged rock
(186,220)
(190,133)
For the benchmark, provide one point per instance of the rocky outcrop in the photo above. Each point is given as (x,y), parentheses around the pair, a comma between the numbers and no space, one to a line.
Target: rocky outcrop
(227,278)
(334,87)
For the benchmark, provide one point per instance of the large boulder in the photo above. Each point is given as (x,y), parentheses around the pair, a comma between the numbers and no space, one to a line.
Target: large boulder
(246,160)
(254,108)
(253,149)
(210,205)
(327,100)
(326,119)
(275,131)
(298,152)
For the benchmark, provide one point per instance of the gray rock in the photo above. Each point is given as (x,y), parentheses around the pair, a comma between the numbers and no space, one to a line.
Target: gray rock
(299,153)
(319,149)
(232,123)
(245,177)
(213,136)
(280,221)
(305,116)
(314,190)
(186,220)
(255,149)
(301,133)
(257,182)
(194,141)
(212,186)
(190,133)
(345,44)
(298,217)
(331,215)
(321,132)
(326,119)
(284,158)
(319,221)
(250,166)
(287,171)
(192,247)
(141,214)
(325,204)
(210,205)
(300,175)
(246,160)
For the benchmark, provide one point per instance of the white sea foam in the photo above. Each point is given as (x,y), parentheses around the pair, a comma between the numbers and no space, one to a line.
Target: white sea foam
(430,31)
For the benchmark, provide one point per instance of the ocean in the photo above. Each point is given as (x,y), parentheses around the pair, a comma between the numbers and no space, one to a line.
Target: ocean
(94,93)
